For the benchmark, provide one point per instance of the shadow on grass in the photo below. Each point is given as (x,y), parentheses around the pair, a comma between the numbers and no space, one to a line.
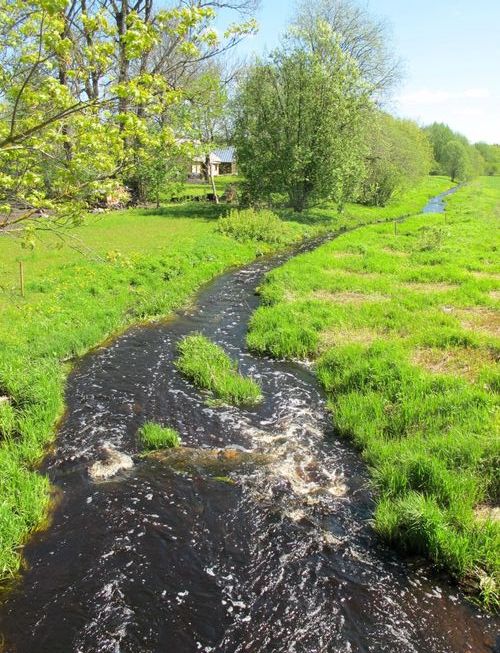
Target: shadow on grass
(313,216)
(198,210)
(209,211)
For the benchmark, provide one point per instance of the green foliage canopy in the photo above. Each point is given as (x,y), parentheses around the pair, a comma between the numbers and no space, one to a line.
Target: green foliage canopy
(453,154)
(399,156)
(298,125)
(88,95)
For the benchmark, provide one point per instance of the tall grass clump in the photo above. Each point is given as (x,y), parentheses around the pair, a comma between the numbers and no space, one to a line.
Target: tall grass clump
(207,365)
(154,436)
(259,225)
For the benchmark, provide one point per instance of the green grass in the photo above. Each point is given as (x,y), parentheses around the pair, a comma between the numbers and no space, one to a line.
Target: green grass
(407,203)
(154,436)
(199,189)
(207,365)
(136,265)
(404,332)
(259,225)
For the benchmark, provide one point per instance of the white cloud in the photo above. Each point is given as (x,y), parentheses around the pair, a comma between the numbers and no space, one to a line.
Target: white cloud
(427,96)
(473,111)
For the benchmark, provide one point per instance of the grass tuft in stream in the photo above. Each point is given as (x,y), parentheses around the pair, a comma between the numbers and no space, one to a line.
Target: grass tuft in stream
(207,365)
(154,436)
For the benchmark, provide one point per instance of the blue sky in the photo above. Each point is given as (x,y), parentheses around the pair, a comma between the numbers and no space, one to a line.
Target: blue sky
(451,54)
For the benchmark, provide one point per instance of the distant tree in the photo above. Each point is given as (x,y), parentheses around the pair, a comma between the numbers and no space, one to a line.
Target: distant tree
(465,161)
(360,35)
(491,157)
(439,135)
(298,125)
(399,156)
(210,102)
(456,160)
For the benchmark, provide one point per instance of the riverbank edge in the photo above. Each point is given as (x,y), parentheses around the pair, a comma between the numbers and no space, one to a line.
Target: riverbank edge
(475,585)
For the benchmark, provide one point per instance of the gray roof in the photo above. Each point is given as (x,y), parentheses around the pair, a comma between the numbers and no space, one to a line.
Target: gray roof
(213,158)
(225,154)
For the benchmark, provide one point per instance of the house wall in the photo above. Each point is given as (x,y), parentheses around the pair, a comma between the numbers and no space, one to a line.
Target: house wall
(198,169)
(227,168)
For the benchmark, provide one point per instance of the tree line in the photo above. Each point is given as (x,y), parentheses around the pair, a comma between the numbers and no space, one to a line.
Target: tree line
(102,97)
(111,98)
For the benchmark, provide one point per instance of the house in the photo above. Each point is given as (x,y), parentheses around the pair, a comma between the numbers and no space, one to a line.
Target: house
(198,165)
(222,162)
(227,156)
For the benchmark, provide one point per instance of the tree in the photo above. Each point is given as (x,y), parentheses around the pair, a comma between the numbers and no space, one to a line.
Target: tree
(361,36)
(86,87)
(399,156)
(439,135)
(209,101)
(491,157)
(298,126)
(461,162)
(456,160)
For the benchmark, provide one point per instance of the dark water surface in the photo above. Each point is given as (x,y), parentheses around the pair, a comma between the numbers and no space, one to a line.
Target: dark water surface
(172,558)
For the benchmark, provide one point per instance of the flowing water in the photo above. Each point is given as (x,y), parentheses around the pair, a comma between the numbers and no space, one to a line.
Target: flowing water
(255,537)
(437,204)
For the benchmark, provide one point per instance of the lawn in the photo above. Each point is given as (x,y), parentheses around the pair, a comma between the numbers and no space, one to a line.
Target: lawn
(404,332)
(116,269)
(198,189)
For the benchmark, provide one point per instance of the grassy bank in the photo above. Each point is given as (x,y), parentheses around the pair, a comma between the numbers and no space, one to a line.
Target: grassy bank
(406,203)
(405,333)
(136,265)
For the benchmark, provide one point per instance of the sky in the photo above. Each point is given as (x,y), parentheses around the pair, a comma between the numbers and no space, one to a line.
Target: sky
(451,58)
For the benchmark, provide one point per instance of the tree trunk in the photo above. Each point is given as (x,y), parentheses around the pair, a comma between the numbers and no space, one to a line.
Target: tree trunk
(62,65)
(210,177)
(92,82)
(123,61)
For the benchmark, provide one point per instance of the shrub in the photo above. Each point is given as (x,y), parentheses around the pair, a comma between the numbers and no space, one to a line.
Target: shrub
(262,226)
(210,368)
(154,436)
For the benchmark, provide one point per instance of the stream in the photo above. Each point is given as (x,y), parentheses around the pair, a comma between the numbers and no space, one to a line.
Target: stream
(266,548)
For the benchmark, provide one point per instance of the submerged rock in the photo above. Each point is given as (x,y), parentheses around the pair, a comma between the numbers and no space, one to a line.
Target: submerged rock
(215,462)
(112,461)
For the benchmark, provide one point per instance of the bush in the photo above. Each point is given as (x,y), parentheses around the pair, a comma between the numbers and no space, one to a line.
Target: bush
(153,436)
(210,368)
(262,226)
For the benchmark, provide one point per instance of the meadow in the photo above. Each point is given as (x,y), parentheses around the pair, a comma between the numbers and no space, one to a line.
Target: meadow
(115,270)
(404,332)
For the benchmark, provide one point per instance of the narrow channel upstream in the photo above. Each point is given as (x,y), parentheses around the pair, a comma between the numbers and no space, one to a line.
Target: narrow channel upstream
(173,558)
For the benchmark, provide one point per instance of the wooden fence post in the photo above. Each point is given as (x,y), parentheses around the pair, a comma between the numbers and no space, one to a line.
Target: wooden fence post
(21,277)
